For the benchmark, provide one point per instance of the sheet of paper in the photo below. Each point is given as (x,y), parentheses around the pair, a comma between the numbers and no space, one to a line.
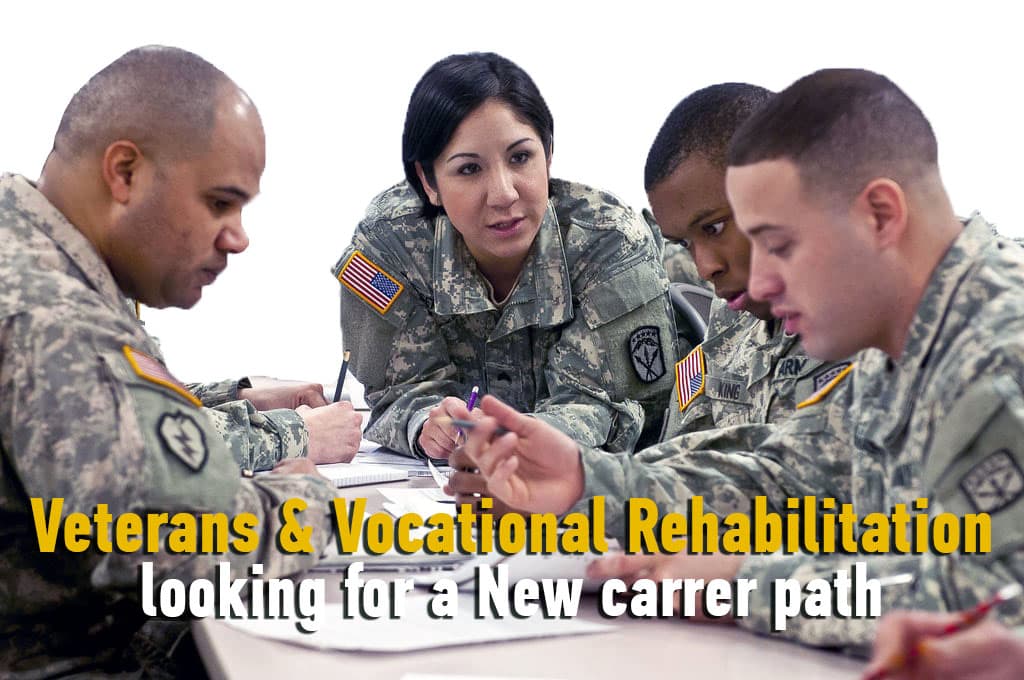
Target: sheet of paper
(423,502)
(415,630)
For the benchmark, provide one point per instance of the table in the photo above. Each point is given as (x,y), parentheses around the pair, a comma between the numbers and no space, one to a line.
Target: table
(649,649)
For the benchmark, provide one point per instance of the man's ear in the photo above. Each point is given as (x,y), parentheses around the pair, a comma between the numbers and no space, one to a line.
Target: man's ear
(121,161)
(884,205)
(432,193)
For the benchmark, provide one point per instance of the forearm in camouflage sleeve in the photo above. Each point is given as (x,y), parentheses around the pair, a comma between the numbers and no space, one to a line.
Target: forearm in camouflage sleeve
(940,583)
(263,497)
(808,454)
(855,635)
(215,393)
(259,439)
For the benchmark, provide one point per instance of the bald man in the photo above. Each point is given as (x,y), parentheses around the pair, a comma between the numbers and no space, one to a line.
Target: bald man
(140,198)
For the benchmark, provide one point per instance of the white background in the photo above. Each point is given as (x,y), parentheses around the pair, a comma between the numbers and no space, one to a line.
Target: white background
(332,82)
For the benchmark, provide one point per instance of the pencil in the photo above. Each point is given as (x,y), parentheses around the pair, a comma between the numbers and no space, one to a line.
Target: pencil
(470,403)
(341,375)
(467,424)
(970,617)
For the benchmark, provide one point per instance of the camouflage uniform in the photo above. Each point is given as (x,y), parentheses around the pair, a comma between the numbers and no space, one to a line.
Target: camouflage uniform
(753,373)
(584,340)
(80,421)
(944,421)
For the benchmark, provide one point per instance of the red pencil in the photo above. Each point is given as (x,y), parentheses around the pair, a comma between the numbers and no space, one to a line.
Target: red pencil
(969,618)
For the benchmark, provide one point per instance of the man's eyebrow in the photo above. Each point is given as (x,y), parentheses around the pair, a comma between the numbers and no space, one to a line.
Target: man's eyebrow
(235,191)
(701,216)
(761,228)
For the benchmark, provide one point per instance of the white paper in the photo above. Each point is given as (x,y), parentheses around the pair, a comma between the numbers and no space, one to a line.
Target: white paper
(415,630)
(423,502)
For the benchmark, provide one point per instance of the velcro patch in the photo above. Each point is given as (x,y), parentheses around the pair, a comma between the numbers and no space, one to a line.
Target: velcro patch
(149,368)
(645,351)
(372,284)
(183,437)
(994,483)
(727,390)
(823,391)
(790,367)
(690,377)
(829,374)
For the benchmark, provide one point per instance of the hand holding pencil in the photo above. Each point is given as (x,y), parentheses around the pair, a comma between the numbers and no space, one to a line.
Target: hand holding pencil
(527,463)
(924,645)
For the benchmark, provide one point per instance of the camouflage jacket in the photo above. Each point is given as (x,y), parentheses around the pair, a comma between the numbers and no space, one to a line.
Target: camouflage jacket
(749,371)
(89,414)
(945,421)
(583,342)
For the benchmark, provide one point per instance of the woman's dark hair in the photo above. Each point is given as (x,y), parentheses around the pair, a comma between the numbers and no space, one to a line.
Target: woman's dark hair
(448,92)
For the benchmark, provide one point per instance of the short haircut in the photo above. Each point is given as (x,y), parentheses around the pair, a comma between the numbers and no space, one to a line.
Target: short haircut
(702,123)
(841,128)
(163,99)
(449,91)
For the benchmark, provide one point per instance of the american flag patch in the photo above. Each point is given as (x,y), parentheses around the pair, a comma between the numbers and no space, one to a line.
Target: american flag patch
(370,282)
(152,370)
(690,377)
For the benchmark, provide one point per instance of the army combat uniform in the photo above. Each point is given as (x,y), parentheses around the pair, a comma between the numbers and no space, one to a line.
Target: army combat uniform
(90,414)
(746,371)
(583,342)
(944,421)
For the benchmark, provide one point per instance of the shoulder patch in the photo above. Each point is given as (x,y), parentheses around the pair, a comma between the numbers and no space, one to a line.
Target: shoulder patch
(827,386)
(149,368)
(645,350)
(375,286)
(994,483)
(690,377)
(183,437)
(829,374)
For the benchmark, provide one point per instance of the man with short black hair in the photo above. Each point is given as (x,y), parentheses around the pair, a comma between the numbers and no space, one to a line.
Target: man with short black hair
(855,245)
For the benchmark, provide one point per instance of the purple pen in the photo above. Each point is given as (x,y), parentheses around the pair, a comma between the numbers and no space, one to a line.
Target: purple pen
(471,402)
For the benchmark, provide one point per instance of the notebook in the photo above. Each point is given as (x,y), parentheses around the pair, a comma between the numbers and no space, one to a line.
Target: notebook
(354,474)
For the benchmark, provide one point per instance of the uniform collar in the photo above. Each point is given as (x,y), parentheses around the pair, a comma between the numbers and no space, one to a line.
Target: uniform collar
(543,296)
(932,309)
(45,217)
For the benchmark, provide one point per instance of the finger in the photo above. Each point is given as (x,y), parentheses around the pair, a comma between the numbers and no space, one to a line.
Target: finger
(494,451)
(313,396)
(899,633)
(459,460)
(448,404)
(434,448)
(302,408)
(509,418)
(503,484)
(477,439)
(467,482)
(468,498)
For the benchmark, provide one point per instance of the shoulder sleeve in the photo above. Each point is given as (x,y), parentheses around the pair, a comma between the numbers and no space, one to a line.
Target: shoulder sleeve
(86,419)
(387,322)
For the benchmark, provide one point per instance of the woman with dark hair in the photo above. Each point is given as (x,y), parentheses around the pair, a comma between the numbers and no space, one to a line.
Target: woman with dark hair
(481,270)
